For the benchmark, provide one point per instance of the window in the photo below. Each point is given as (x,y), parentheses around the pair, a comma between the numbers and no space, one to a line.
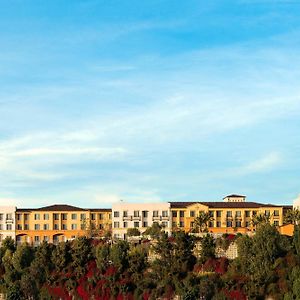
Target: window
(36,238)
(93,217)
(211,224)
(276,213)
(125,213)
(218,224)
(36,226)
(8,227)
(181,224)
(125,224)
(9,217)
(254,213)
(174,214)
(229,224)
(82,217)
(46,226)
(155,213)
(64,227)
(19,227)
(192,213)
(136,224)
(238,214)
(181,214)
(83,226)
(247,224)
(74,226)
(56,227)
(276,223)
(26,217)
(100,216)
(26,227)
(101,226)
(164,224)
(145,224)
(64,216)
(116,214)
(174,224)
(74,216)
(145,214)
(211,213)
(116,224)
(247,213)
(229,214)
(56,216)
(238,224)
(165,213)
(46,216)
(267,212)
(219,213)
(109,216)
(136,213)
(1,217)
(36,216)
(19,217)
(46,238)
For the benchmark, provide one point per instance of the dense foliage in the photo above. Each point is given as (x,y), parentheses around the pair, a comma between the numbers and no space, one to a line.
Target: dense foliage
(268,264)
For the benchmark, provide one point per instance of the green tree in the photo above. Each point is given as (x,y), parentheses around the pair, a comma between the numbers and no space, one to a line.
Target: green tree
(23,257)
(292,216)
(61,256)
(102,256)
(208,248)
(296,239)
(81,253)
(133,232)
(154,231)
(119,255)
(202,220)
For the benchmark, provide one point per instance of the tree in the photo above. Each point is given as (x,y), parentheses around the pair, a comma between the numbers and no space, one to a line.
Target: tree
(133,232)
(61,256)
(102,256)
(119,255)
(154,231)
(201,222)
(296,239)
(137,263)
(81,253)
(23,257)
(208,247)
(292,216)
(260,219)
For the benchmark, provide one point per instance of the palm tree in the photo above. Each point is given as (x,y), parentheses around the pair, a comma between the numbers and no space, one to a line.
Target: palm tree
(201,222)
(292,216)
(260,219)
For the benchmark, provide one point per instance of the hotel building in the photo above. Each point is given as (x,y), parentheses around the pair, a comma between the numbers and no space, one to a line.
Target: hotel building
(141,216)
(233,215)
(7,222)
(57,223)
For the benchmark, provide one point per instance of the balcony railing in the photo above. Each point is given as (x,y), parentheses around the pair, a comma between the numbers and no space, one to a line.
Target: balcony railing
(9,220)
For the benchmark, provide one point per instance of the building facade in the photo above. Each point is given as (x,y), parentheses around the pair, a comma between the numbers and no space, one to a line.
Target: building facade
(140,216)
(7,222)
(233,215)
(57,223)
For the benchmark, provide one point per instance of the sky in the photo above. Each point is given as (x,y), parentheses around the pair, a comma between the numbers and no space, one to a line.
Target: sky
(149,101)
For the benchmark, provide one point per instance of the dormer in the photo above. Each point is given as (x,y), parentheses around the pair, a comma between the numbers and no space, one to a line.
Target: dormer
(234,198)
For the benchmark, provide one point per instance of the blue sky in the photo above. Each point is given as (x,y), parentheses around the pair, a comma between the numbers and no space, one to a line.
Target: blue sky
(149,101)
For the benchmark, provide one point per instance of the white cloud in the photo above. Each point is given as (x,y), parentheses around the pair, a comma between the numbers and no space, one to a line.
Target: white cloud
(263,164)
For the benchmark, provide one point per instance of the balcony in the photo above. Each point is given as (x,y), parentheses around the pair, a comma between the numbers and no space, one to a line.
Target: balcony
(136,218)
(165,218)
(9,221)
(156,218)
